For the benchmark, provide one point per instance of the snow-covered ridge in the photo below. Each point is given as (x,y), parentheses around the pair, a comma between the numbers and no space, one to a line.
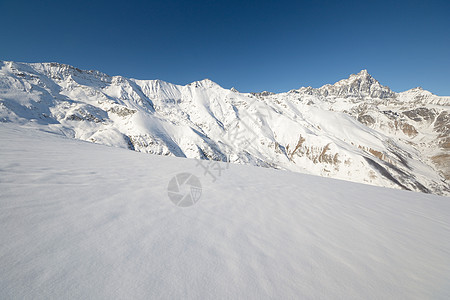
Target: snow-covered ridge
(355,129)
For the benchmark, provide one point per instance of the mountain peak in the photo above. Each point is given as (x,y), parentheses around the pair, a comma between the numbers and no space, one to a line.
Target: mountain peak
(358,85)
(362,76)
(363,72)
(206,83)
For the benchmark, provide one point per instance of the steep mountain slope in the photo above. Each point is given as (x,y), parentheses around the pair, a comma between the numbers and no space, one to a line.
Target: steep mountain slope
(85,221)
(355,130)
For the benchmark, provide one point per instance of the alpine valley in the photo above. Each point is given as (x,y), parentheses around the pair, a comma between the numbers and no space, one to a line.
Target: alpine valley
(356,129)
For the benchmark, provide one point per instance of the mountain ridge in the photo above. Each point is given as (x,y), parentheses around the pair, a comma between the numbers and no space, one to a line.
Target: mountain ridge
(362,72)
(355,129)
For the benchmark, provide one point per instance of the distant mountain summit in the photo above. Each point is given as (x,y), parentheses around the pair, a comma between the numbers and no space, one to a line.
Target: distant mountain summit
(355,129)
(361,85)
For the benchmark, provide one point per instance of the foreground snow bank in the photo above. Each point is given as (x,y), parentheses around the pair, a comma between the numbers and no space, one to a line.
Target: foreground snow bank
(80,220)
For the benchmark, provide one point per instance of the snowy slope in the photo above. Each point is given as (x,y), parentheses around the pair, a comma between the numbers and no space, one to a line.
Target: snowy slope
(86,221)
(356,129)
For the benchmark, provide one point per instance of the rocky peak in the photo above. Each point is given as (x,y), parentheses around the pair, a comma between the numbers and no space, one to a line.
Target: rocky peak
(263,94)
(359,85)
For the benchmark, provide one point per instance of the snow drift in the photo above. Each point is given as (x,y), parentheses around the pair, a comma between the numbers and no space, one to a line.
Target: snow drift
(86,221)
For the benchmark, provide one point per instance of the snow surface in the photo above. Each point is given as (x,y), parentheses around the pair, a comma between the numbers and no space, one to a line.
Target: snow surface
(86,221)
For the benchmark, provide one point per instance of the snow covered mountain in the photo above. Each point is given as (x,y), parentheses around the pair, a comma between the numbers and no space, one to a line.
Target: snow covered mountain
(355,129)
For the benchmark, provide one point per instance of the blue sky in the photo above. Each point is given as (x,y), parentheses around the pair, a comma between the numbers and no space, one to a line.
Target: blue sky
(251,45)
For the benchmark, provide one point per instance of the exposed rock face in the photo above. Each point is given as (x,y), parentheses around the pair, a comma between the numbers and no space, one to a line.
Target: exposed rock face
(355,129)
(442,124)
(366,119)
(420,114)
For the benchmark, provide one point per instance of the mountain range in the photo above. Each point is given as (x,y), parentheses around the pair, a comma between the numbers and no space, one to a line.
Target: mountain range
(356,129)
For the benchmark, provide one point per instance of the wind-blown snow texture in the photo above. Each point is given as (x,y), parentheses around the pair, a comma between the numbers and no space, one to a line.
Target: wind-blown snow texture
(85,221)
(355,130)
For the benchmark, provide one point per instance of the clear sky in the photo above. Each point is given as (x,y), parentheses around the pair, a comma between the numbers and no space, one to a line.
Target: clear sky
(251,45)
